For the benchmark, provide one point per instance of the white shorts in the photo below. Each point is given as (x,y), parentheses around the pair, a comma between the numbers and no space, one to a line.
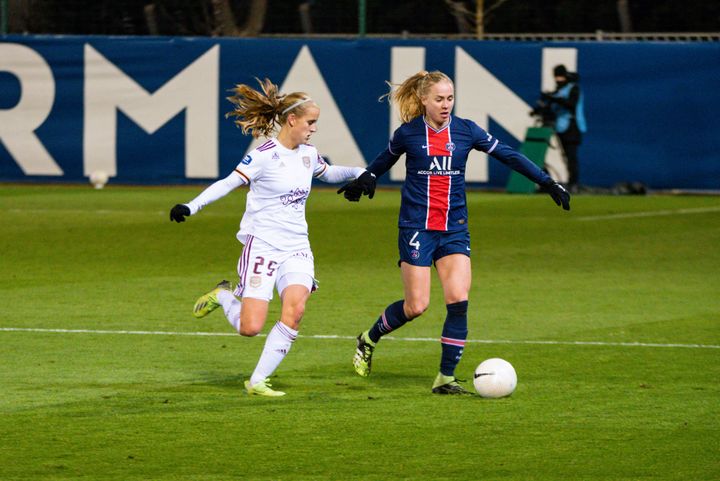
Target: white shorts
(262,267)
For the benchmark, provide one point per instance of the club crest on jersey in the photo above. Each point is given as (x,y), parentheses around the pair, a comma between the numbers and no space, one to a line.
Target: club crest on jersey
(246,160)
(414,254)
(450,146)
(255,281)
(306,162)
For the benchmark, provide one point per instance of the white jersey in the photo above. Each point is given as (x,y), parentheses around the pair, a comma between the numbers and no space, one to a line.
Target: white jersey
(280,181)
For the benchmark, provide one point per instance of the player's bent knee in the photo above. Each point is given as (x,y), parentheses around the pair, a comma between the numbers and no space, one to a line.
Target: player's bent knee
(249,332)
(250,328)
(246,332)
(415,308)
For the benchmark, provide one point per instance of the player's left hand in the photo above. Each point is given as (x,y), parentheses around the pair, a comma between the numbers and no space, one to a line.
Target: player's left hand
(179,212)
(559,195)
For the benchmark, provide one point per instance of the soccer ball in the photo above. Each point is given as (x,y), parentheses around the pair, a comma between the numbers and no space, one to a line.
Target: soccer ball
(495,378)
(98,179)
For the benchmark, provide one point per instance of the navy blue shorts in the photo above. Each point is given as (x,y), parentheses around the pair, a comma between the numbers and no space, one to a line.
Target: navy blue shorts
(423,247)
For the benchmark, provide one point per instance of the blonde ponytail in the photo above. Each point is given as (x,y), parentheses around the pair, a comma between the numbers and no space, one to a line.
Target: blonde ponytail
(407,96)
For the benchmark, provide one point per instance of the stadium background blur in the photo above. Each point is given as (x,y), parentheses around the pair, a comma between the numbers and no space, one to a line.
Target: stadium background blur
(437,17)
(645,67)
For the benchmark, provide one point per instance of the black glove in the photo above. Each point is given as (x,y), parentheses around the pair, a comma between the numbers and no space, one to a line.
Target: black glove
(547,96)
(352,191)
(559,194)
(365,184)
(179,212)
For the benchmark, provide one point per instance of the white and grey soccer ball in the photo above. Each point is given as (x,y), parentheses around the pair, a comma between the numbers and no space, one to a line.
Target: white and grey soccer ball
(495,378)
(99,178)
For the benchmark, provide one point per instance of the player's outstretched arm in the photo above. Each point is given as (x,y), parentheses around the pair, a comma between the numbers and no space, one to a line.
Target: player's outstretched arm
(216,191)
(519,163)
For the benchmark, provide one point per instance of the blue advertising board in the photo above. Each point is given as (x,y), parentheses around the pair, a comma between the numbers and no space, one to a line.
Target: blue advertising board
(152,109)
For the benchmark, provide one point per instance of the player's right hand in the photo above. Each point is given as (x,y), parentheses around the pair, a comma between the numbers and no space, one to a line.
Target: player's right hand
(351,190)
(365,184)
(179,212)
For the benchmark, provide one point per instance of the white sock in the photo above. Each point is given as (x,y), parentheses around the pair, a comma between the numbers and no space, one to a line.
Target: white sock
(232,307)
(277,346)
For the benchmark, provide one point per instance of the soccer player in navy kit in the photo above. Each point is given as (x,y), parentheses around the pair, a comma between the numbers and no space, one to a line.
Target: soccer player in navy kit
(433,213)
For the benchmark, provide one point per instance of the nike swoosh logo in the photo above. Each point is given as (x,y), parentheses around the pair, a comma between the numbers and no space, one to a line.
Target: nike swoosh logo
(426,146)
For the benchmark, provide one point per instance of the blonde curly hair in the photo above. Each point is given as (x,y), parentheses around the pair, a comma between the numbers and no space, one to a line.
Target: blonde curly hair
(259,112)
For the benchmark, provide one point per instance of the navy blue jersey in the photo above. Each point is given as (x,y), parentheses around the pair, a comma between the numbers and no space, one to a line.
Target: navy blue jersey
(433,195)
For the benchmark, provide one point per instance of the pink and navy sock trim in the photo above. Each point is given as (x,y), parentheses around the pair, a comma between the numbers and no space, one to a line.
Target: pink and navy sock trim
(392,318)
(454,336)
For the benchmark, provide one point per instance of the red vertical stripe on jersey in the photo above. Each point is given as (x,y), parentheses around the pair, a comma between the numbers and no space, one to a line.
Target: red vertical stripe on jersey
(438,202)
(438,185)
(438,141)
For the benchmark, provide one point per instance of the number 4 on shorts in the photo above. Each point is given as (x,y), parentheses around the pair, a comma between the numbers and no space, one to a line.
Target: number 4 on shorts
(415,243)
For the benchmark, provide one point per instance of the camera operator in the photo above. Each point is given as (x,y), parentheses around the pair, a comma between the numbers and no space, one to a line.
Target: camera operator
(564,106)
(544,116)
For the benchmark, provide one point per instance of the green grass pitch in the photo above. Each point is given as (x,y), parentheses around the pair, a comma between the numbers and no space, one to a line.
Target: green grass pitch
(610,314)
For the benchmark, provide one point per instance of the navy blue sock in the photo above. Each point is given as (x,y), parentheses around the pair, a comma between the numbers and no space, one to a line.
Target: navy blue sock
(392,318)
(454,334)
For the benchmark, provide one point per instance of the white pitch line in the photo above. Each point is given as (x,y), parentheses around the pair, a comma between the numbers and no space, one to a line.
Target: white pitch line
(107,331)
(653,213)
(390,338)
(105,212)
(87,211)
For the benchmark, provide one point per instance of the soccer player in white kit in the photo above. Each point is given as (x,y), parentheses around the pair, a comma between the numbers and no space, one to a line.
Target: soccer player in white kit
(276,252)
